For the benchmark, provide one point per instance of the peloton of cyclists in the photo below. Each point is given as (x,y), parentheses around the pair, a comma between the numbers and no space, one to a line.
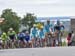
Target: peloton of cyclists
(47,35)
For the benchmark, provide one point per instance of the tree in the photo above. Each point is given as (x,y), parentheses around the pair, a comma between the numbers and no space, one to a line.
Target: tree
(29,20)
(11,20)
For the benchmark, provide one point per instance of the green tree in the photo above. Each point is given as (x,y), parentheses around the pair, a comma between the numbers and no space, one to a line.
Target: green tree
(28,19)
(11,20)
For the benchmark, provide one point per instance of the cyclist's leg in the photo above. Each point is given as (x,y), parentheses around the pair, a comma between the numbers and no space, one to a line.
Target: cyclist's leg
(22,43)
(60,39)
(49,40)
(18,43)
(40,42)
(4,44)
(45,40)
(11,41)
(35,40)
(54,39)
(7,44)
(28,44)
(32,42)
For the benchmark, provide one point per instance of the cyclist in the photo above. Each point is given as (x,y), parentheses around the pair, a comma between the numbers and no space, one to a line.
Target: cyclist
(12,37)
(4,38)
(42,36)
(21,36)
(57,28)
(28,40)
(48,32)
(48,26)
(34,35)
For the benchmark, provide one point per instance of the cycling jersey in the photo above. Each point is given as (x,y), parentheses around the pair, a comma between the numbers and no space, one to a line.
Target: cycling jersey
(21,36)
(27,38)
(48,27)
(4,37)
(57,27)
(41,33)
(12,34)
(34,32)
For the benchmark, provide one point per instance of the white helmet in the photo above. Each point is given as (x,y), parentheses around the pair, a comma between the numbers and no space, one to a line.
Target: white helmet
(34,25)
(10,28)
(27,32)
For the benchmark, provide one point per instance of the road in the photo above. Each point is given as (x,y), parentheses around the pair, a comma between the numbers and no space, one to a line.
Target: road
(49,51)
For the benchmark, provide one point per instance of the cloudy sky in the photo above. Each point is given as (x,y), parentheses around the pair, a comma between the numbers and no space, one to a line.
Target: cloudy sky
(41,8)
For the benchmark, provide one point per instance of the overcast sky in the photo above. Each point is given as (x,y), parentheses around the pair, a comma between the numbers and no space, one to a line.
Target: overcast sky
(40,8)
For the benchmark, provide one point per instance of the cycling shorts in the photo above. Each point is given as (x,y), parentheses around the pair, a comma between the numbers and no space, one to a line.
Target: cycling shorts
(21,39)
(12,37)
(27,39)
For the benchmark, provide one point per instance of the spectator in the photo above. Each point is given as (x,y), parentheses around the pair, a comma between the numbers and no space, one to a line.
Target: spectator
(73,39)
(69,39)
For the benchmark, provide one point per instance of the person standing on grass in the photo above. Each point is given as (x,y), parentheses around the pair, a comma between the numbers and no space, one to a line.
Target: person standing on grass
(69,39)
(73,39)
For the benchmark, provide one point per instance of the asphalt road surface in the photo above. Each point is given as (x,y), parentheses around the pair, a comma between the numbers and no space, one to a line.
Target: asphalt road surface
(51,51)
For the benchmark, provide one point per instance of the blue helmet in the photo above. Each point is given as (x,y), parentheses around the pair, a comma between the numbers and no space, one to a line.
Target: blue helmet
(58,22)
